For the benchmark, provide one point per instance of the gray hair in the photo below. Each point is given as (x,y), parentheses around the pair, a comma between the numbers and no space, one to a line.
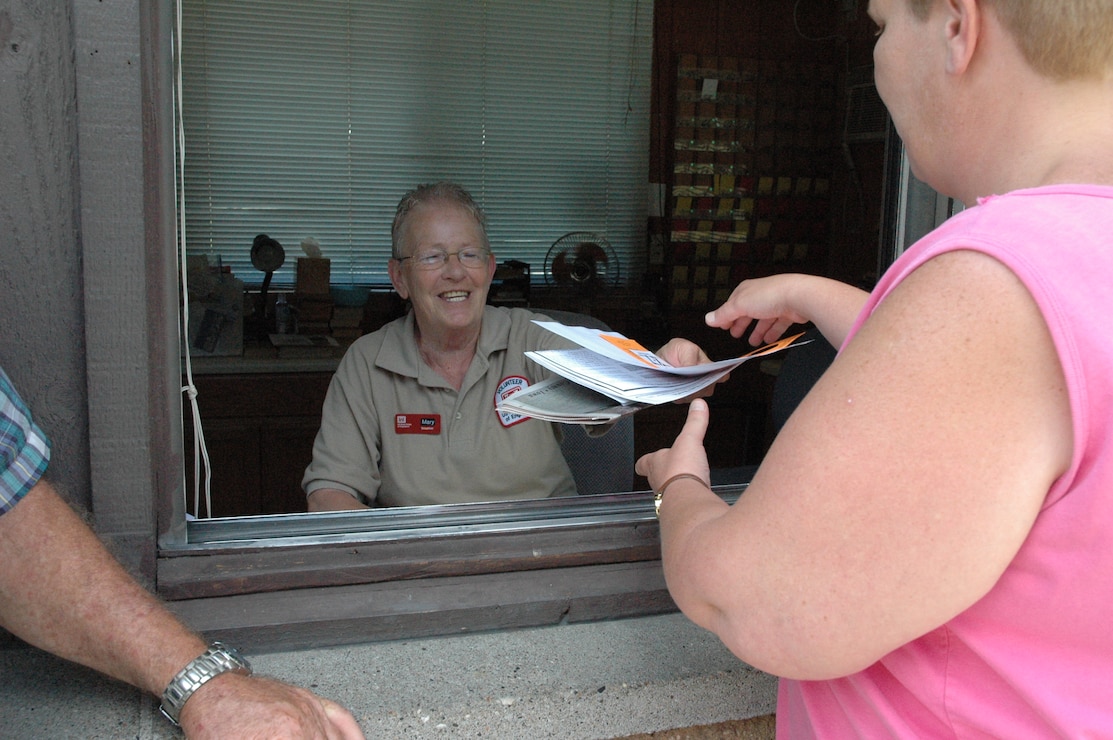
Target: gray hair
(437,192)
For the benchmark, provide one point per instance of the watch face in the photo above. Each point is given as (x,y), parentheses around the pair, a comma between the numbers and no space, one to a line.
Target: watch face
(232,653)
(219,658)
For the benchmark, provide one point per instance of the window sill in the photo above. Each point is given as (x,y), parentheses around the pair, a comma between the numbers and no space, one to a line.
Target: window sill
(291,581)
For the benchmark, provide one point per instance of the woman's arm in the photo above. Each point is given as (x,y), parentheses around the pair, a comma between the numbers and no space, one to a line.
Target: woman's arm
(780,301)
(897,493)
(333,499)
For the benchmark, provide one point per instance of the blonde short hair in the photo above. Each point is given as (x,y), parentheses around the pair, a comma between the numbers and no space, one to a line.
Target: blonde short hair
(1062,39)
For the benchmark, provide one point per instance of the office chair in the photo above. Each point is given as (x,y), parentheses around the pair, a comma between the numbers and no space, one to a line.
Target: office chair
(801,367)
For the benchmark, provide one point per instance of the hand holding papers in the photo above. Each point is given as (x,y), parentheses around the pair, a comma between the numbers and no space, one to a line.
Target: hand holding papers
(612,376)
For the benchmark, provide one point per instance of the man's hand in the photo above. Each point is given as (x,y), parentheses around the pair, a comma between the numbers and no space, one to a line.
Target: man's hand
(249,707)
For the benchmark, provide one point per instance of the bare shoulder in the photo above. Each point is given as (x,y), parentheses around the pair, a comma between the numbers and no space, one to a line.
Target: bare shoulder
(967,356)
(967,312)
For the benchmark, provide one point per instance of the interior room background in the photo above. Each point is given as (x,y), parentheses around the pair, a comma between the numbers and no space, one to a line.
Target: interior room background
(90,342)
(766,145)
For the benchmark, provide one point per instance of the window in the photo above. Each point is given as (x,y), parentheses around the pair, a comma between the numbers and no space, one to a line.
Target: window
(330,577)
(312,119)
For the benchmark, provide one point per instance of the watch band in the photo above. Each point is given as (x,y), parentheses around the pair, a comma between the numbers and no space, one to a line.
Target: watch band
(219,658)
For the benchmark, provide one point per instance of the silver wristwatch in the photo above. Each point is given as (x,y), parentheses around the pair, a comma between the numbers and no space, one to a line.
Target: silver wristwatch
(219,658)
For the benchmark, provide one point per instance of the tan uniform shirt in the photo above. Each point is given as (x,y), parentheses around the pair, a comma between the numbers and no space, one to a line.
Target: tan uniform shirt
(394,432)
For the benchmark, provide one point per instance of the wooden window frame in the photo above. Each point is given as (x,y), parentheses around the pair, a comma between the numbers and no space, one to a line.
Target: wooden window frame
(598,559)
(297,581)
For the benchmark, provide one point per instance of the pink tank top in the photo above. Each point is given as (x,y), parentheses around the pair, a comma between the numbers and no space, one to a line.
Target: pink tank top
(1034,657)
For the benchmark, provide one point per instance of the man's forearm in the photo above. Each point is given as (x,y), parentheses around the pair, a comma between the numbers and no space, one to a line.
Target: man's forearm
(61,590)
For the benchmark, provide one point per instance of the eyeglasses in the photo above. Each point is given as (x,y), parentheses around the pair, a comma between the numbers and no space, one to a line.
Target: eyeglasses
(471,258)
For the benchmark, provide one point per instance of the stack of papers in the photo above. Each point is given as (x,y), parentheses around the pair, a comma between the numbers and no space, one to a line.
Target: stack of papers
(611,376)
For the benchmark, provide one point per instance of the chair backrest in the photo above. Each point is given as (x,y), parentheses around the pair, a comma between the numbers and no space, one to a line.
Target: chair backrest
(599,464)
(800,369)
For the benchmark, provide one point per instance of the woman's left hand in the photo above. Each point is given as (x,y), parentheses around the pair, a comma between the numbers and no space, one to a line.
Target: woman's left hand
(686,455)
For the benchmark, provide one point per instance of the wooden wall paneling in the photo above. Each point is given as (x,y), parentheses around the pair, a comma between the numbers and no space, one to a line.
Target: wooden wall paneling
(235,456)
(261,394)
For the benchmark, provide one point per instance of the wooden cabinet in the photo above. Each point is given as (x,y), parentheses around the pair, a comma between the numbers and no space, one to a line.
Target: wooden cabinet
(259,431)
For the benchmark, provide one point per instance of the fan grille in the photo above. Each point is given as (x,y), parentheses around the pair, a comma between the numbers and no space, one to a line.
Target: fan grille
(581,260)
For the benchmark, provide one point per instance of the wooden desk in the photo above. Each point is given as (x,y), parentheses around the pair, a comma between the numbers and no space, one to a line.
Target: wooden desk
(260,415)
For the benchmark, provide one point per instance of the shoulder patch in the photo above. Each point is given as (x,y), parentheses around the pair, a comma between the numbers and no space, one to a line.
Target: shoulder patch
(507,387)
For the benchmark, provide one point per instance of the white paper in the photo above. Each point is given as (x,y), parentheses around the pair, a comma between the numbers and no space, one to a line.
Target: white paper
(612,376)
(615,346)
(627,382)
(560,400)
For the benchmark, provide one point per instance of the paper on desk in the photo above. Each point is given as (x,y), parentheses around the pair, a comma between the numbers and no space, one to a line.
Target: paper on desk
(619,375)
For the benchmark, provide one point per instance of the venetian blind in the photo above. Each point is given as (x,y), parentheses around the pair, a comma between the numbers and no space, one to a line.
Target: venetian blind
(313,118)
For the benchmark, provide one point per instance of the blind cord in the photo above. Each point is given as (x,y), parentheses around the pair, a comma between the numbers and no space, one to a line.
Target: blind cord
(200,451)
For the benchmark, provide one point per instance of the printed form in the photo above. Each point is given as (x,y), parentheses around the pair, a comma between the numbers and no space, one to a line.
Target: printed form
(611,376)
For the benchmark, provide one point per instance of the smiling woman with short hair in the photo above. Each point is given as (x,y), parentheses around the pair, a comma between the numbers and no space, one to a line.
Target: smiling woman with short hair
(410,415)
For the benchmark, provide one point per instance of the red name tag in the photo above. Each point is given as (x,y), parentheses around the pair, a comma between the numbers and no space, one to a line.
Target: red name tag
(417,423)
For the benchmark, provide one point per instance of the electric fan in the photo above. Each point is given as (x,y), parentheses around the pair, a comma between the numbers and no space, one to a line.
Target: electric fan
(582,262)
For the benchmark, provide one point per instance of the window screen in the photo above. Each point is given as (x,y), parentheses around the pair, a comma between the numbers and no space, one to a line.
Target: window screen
(311,119)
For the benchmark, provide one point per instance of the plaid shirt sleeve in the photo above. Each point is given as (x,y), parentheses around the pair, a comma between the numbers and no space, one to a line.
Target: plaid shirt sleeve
(24,449)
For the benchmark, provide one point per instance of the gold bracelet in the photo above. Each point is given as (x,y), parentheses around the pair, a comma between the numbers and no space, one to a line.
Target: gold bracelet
(661,491)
